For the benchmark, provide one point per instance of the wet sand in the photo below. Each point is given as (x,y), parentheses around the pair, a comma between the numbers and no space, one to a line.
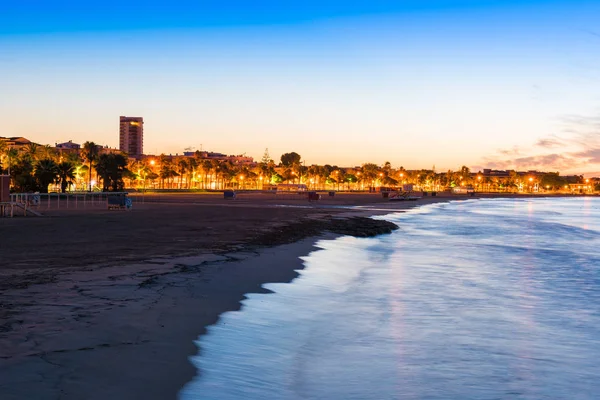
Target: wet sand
(98,304)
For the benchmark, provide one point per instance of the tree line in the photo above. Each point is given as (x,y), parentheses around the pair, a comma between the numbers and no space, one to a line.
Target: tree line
(34,168)
(38,168)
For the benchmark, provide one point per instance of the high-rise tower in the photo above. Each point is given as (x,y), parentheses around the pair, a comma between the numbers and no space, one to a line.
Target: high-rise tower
(131,136)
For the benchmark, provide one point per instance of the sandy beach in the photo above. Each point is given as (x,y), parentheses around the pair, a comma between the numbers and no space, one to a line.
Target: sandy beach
(99,304)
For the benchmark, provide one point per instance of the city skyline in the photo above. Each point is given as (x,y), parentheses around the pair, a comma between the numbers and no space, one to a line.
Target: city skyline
(508,85)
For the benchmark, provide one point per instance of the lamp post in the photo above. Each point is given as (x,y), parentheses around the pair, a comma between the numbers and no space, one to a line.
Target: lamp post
(531,184)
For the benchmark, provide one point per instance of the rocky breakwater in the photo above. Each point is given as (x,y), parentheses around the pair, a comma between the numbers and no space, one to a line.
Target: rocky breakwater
(308,227)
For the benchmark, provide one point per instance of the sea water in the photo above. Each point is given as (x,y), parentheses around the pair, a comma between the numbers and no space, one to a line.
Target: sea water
(480,299)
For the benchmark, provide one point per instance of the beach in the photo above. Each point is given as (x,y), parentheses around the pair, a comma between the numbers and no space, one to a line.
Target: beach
(107,304)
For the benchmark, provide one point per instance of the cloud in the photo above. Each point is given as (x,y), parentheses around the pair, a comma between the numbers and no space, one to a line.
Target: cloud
(514,151)
(550,142)
(591,155)
(580,140)
(545,162)
(583,130)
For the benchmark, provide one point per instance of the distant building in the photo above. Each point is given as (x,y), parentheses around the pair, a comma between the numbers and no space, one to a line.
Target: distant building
(209,155)
(15,142)
(68,146)
(131,136)
(108,150)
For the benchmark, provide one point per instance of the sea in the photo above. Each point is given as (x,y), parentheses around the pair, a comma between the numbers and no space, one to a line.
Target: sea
(476,299)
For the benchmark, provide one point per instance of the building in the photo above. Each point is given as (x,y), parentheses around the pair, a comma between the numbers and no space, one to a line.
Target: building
(131,136)
(108,150)
(68,146)
(15,142)
(234,159)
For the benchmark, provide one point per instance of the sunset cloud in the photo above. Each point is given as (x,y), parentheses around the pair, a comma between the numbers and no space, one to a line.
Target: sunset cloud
(548,162)
(579,142)
(549,142)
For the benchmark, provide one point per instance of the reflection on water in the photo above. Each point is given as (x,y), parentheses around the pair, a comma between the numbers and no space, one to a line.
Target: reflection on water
(484,299)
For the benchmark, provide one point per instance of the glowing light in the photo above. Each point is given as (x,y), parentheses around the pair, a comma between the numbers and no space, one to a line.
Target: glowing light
(152,162)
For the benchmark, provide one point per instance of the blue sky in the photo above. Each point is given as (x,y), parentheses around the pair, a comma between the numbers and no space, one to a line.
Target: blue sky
(484,83)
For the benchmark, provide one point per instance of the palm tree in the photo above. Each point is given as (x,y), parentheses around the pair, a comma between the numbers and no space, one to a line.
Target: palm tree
(12,155)
(46,172)
(111,168)
(182,168)
(192,167)
(207,168)
(47,152)
(167,170)
(90,154)
(66,175)
(32,150)
(3,150)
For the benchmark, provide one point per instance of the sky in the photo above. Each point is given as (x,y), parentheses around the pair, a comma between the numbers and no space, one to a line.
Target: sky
(487,84)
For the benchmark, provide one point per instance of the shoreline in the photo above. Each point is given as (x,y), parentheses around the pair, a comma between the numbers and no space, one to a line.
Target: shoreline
(128,330)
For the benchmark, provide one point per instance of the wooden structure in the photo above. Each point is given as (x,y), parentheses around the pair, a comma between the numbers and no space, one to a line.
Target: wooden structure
(7,207)
(4,188)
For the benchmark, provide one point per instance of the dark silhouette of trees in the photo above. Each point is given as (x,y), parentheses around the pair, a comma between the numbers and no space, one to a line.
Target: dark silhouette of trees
(45,172)
(290,160)
(111,168)
(90,155)
(66,175)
